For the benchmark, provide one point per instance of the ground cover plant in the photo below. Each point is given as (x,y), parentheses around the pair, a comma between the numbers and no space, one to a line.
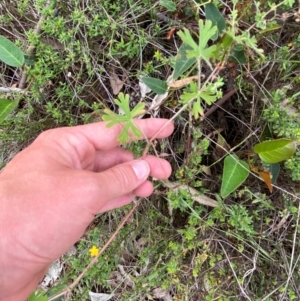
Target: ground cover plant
(226,224)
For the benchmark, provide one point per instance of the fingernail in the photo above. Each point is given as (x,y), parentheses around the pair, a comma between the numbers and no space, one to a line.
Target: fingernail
(141,169)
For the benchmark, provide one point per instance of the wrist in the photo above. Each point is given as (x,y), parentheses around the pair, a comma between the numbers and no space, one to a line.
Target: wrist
(18,278)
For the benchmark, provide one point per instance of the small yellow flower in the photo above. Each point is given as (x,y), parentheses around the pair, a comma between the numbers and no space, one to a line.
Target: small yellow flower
(94,251)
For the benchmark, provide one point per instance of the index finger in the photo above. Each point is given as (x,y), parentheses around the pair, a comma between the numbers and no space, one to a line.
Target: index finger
(106,138)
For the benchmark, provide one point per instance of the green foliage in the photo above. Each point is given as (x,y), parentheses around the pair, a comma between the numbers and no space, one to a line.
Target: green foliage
(182,63)
(10,54)
(37,296)
(293,166)
(240,219)
(275,151)
(209,94)
(6,107)
(238,54)
(172,242)
(235,172)
(213,14)
(156,85)
(129,126)
(169,5)
(200,50)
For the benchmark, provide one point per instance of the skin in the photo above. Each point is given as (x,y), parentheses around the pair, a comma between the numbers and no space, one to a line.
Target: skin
(51,191)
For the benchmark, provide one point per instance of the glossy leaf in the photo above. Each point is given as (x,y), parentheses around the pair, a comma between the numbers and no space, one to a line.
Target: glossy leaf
(212,13)
(235,172)
(275,151)
(274,170)
(10,54)
(182,63)
(6,107)
(156,85)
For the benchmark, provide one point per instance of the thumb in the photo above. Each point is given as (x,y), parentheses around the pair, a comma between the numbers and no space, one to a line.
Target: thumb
(121,180)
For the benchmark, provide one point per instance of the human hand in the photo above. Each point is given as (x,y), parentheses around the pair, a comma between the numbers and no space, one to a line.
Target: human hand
(51,191)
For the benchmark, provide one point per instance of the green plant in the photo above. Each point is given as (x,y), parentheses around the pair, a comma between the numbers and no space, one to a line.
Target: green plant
(11,55)
(236,171)
(173,244)
(129,126)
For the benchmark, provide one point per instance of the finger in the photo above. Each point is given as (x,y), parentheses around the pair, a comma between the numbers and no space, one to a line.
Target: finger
(115,182)
(109,158)
(106,138)
(144,190)
(159,168)
(117,203)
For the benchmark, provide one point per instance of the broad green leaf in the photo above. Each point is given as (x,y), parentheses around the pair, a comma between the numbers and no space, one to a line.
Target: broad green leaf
(156,85)
(169,5)
(6,107)
(235,172)
(226,41)
(275,151)
(37,296)
(212,13)
(238,54)
(182,63)
(274,170)
(10,54)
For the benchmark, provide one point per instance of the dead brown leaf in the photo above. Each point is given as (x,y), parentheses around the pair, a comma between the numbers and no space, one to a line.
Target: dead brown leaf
(115,83)
(197,196)
(177,84)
